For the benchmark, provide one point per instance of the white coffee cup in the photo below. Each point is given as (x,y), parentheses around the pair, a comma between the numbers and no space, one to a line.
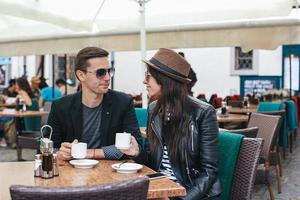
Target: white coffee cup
(123,140)
(79,150)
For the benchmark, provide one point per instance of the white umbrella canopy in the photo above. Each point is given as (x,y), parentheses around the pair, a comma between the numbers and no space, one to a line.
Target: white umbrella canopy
(63,26)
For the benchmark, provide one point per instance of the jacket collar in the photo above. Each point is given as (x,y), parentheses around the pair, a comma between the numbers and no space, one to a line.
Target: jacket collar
(106,116)
(76,115)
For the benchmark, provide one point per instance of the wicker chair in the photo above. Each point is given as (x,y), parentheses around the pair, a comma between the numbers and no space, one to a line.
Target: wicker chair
(275,156)
(245,170)
(268,126)
(127,190)
(247,132)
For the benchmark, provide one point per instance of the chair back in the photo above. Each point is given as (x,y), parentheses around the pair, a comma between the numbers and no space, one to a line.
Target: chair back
(270,106)
(229,147)
(291,115)
(142,116)
(32,123)
(268,126)
(281,134)
(136,189)
(235,103)
(250,132)
(245,170)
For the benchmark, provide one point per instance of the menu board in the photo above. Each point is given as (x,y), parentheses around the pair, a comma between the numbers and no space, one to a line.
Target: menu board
(258,84)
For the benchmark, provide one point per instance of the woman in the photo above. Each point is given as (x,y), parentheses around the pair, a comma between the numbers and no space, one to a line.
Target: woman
(24,91)
(182,131)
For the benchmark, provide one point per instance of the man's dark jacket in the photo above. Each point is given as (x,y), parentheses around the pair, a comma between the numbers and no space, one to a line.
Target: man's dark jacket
(118,116)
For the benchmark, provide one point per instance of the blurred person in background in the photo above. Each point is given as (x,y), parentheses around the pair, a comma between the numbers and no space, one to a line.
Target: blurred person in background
(10,91)
(35,82)
(49,94)
(43,83)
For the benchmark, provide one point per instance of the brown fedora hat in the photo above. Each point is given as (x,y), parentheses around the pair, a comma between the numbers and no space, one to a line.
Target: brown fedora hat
(170,64)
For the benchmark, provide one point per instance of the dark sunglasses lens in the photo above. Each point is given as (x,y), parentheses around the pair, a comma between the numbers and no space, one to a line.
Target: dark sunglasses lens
(102,72)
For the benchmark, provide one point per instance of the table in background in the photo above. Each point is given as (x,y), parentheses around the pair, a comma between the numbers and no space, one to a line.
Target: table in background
(232,118)
(241,110)
(21,173)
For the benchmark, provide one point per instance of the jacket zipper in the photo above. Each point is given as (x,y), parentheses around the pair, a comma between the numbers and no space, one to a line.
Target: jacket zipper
(187,169)
(152,126)
(192,137)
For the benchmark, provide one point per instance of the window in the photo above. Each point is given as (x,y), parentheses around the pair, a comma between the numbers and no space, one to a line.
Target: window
(243,60)
(243,63)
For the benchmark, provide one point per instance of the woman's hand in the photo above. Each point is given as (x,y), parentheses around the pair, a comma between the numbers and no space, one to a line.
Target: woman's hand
(134,149)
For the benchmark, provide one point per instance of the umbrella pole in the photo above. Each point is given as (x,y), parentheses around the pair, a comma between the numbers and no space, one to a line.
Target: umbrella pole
(143,46)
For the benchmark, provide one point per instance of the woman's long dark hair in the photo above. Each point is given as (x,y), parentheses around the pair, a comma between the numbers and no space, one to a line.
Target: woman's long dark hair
(24,85)
(172,107)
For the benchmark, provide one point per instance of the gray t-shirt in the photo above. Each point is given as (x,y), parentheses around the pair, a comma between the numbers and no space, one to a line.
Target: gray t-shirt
(91,126)
(91,132)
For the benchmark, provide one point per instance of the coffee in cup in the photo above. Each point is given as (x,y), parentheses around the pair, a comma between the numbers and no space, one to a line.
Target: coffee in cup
(79,150)
(123,140)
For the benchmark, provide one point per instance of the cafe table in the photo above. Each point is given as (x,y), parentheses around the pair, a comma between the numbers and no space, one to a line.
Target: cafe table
(21,114)
(21,173)
(232,118)
(241,110)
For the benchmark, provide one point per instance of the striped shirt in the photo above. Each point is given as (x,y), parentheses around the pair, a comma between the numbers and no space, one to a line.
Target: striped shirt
(165,167)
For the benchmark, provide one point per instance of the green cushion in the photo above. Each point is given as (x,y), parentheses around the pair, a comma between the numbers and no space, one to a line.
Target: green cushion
(270,106)
(229,147)
(142,116)
(32,123)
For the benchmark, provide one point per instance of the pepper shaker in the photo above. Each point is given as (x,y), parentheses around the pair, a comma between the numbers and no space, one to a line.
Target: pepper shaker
(55,165)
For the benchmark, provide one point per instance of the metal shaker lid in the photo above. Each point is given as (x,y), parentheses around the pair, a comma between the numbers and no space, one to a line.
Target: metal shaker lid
(37,156)
(46,143)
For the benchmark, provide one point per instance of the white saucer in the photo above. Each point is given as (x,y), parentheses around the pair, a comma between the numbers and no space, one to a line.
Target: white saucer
(127,168)
(84,163)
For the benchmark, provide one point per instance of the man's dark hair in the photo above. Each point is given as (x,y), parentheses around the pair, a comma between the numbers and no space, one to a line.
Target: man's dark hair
(181,53)
(11,82)
(88,53)
(192,75)
(60,81)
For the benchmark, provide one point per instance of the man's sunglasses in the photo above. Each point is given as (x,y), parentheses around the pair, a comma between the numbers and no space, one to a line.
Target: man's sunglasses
(100,73)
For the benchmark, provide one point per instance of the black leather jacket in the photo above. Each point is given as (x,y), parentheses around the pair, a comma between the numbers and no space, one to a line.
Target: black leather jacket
(197,171)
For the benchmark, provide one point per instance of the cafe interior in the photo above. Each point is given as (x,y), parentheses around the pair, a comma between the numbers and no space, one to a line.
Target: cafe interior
(246,59)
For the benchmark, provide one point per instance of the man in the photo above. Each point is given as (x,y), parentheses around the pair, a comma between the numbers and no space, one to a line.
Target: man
(49,94)
(35,81)
(95,114)
(10,91)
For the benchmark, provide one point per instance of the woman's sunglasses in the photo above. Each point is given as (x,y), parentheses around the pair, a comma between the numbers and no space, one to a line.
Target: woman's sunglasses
(100,73)
(147,75)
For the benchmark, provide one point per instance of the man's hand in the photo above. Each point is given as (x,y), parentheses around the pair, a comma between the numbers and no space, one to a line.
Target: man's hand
(134,148)
(64,153)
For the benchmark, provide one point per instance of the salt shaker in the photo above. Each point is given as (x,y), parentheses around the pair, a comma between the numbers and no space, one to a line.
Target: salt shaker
(55,165)
(37,165)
